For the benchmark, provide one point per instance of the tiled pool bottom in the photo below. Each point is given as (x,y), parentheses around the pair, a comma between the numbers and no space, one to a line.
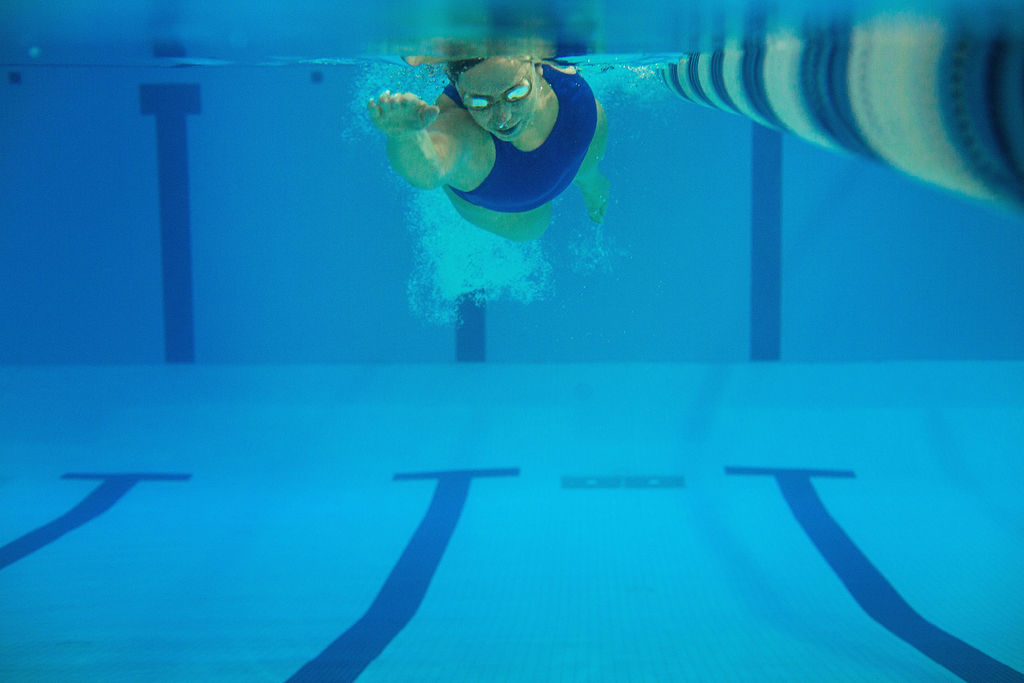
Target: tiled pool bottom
(512,523)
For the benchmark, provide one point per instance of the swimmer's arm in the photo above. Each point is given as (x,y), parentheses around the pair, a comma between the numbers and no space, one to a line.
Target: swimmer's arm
(422,158)
(592,183)
(422,140)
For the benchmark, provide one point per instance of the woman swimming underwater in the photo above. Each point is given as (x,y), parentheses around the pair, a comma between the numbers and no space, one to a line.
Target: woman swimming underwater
(505,138)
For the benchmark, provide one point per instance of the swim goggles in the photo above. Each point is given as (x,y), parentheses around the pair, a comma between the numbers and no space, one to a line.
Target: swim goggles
(513,94)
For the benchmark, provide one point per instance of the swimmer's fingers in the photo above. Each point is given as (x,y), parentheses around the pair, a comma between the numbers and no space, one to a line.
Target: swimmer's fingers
(401,113)
(398,101)
(377,107)
(428,114)
(374,110)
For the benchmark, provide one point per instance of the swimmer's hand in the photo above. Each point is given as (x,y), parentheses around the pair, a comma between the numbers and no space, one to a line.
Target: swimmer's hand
(401,113)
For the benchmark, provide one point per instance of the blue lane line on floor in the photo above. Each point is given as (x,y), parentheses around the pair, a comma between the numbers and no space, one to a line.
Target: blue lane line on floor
(766,245)
(403,591)
(471,332)
(170,103)
(869,587)
(95,504)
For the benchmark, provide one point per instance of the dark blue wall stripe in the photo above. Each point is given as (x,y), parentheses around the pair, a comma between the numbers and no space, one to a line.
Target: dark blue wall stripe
(766,245)
(170,103)
(405,587)
(869,588)
(471,332)
(96,503)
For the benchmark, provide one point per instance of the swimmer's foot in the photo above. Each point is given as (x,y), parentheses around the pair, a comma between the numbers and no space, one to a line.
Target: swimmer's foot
(595,190)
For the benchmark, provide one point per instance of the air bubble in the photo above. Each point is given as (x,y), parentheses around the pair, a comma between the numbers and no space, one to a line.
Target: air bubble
(454,259)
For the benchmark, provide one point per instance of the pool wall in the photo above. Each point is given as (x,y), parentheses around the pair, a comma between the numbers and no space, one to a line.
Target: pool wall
(299,250)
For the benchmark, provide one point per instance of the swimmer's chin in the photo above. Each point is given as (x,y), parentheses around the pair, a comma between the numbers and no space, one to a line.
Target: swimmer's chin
(508,133)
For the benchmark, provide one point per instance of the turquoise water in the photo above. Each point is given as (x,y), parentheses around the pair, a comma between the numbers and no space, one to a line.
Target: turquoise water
(267,413)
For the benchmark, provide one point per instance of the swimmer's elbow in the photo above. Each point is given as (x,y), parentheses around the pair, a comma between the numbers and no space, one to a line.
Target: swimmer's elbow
(417,161)
(423,174)
(420,177)
(426,181)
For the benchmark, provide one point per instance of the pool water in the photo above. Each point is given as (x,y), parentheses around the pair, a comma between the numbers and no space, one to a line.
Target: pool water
(267,413)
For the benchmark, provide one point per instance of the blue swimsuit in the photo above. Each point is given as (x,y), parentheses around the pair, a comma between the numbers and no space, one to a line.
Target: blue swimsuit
(521,181)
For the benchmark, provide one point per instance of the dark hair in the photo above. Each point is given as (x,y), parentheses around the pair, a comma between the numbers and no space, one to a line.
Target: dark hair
(456,68)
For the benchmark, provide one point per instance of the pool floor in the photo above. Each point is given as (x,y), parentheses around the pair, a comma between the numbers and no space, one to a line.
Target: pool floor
(478,522)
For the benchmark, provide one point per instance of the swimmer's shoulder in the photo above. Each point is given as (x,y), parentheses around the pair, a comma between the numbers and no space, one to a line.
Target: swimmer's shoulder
(456,121)
(447,104)
(472,146)
(570,70)
(567,69)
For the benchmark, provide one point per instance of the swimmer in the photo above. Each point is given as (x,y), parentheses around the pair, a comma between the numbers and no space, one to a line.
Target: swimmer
(505,138)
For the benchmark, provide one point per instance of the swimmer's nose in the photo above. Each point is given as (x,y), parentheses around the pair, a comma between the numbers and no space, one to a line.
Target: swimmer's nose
(502,114)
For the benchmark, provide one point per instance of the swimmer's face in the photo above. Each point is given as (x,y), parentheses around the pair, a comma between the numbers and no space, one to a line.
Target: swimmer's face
(501,95)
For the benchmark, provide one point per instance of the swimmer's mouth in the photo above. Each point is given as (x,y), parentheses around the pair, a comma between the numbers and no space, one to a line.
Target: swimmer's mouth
(508,131)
